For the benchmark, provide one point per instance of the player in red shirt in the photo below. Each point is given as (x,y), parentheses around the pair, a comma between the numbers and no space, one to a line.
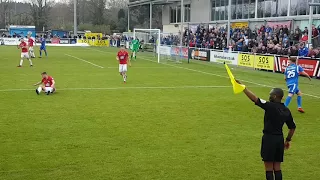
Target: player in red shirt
(24,52)
(31,44)
(48,84)
(123,58)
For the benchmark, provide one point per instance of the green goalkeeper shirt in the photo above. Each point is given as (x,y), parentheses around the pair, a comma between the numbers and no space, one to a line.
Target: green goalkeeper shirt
(135,44)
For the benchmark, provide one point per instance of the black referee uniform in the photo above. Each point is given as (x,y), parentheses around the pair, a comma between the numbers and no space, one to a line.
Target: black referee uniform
(276,114)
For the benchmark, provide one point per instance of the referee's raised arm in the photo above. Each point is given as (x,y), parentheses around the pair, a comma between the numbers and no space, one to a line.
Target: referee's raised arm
(250,94)
(273,143)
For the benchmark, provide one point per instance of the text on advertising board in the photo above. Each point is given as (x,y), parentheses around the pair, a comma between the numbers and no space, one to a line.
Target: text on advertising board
(245,60)
(224,57)
(199,54)
(264,62)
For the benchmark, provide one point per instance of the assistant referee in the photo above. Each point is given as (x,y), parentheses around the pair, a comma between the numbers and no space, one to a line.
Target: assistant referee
(273,143)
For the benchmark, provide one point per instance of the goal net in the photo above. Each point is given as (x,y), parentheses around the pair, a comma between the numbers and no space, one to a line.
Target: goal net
(149,41)
(151,44)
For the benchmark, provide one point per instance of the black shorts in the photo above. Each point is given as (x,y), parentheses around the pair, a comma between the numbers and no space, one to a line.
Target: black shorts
(272,148)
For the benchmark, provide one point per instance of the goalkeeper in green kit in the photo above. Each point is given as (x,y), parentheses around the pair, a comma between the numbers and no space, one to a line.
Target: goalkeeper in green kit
(135,44)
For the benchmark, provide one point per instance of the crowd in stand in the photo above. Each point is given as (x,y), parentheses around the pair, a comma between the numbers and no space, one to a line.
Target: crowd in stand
(278,40)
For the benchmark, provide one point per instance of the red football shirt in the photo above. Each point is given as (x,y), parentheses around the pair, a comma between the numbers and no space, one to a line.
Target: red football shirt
(23,46)
(47,82)
(123,57)
(31,42)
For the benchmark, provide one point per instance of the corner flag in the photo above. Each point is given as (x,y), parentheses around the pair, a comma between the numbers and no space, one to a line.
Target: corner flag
(237,88)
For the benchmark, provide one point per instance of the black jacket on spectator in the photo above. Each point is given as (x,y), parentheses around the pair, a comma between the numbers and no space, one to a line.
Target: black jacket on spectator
(293,53)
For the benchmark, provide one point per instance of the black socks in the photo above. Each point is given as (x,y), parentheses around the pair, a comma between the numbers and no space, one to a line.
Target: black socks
(269,175)
(278,175)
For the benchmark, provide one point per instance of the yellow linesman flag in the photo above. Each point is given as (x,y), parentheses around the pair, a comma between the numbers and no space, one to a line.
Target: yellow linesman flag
(237,88)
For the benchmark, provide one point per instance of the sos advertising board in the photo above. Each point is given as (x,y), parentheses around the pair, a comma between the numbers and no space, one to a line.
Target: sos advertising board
(264,62)
(246,60)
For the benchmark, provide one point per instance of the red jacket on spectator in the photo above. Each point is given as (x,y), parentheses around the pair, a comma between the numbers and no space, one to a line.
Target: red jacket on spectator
(304,38)
(262,29)
(192,44)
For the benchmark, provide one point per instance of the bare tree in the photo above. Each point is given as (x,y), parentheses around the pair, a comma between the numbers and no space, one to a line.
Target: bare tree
(97,8)
(40,12)
(4,11)
(61,16)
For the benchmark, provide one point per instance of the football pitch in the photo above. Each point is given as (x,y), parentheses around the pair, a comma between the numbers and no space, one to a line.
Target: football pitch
(170,121)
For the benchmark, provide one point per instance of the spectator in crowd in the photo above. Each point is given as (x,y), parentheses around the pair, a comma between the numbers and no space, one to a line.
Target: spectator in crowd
(305,37)
(315,34)
(298,30)
(286,44)
(286,29)
(303,51)
(293,51)
(296,37)
(316,53)
(305,30)
(268,29)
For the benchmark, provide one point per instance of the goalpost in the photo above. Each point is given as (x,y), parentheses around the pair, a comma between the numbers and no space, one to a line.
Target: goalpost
(149,40)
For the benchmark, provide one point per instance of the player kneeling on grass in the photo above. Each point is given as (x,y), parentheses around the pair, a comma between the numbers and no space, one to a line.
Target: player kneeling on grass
(48,84)
(123,58)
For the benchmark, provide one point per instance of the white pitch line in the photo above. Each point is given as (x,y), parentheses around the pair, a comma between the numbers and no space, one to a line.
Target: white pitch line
(124,88)
(133,67)
(84,60)
(120,88)
(203,72)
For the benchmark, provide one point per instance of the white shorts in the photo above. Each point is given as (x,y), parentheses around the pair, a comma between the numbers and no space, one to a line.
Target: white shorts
(31,48)
(46,89)
(123,68)
(25,55)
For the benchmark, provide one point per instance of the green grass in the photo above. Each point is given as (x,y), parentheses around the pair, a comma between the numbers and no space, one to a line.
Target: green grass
(125,131)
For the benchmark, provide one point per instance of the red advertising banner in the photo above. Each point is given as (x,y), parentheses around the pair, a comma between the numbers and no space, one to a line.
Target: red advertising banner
(55,41)
(310,66)
(281,64)
(177,51)
(184,52)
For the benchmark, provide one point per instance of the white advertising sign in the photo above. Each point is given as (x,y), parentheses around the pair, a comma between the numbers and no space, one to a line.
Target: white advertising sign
(10,41)
(221,57)
(165,50)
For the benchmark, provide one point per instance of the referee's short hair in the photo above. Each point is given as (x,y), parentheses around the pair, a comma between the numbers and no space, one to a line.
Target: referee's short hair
(278,92)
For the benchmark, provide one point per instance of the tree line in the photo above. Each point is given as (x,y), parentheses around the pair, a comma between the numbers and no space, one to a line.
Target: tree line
(105,16)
